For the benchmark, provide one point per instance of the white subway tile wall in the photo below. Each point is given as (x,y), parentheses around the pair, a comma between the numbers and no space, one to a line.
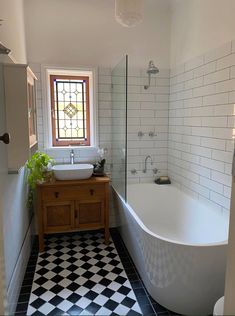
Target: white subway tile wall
(201,126)
(149,108)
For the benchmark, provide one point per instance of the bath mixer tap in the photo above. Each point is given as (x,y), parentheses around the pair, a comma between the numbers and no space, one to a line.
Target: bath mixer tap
(134,171)
(145,163)
(72,156)
(155,170)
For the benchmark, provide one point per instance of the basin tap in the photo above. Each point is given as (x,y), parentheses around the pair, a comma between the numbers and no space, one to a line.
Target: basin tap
(72,156)
(145,163)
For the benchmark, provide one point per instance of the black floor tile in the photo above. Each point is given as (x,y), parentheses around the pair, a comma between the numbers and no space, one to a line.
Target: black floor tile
(24,298)
(29,274)
(25,289)
(30,269)
(130,270)
(137,284)
(93,308)
(143,300)
(22,307)
(27,282)
(133,277)
(140,292)
(147,309)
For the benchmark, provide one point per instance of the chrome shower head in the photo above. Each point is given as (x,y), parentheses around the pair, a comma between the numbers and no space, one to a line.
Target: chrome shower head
(152,70)
(4,50)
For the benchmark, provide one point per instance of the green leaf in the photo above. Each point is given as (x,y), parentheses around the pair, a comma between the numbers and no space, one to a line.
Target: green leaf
(36,166)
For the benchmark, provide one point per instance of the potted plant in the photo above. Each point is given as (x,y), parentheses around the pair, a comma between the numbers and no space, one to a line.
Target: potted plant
(38,172)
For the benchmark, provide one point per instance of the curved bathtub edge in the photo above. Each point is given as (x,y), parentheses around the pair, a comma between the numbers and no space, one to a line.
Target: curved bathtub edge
(138,220)
(192,266)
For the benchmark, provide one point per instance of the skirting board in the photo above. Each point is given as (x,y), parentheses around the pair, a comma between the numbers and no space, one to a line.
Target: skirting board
(19,272)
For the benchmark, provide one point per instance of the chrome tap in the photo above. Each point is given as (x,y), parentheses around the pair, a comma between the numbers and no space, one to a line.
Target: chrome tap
(145,163)
(72,156)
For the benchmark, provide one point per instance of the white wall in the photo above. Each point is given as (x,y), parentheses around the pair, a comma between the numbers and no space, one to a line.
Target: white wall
(12,32)
(16,217)
(85,33)
(201,126)
(200,25)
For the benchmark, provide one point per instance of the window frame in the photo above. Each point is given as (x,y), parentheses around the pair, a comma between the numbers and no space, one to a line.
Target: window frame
(65,143)
(46,133)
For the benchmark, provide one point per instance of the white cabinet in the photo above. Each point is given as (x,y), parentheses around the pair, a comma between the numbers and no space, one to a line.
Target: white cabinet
(19,87)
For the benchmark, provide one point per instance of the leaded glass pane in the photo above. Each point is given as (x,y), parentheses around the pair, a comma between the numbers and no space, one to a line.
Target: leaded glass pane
(70,109)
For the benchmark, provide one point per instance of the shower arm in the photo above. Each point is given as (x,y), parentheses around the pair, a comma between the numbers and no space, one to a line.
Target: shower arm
(148,85)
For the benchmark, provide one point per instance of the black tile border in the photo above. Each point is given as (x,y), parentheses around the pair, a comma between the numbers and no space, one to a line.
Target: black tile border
(147,304)
(26,287)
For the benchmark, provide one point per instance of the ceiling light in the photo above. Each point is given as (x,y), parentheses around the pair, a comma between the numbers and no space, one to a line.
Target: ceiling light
(129,13)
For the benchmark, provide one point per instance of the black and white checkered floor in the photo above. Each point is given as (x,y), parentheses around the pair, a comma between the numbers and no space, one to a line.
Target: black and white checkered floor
(81,275)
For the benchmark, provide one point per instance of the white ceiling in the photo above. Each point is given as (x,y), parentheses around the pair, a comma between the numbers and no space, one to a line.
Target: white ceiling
(85,32)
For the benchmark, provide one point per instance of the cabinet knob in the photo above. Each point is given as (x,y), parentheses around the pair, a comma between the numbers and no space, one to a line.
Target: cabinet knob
(56,194)
(5,138)
(92,191)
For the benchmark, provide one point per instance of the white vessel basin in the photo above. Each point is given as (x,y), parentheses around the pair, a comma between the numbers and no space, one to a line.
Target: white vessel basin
(73,172)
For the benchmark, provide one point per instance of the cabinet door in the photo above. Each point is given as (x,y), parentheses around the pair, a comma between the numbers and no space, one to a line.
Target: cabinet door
(58,216)
(32,112)
(89,214)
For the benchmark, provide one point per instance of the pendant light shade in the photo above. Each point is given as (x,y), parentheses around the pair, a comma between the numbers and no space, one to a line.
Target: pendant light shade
(129,13)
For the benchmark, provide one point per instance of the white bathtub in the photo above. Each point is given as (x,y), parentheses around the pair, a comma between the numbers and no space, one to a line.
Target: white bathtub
(178,246)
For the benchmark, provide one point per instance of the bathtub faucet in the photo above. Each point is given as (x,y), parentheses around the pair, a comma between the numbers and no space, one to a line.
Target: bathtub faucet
(145,163)
(72,156)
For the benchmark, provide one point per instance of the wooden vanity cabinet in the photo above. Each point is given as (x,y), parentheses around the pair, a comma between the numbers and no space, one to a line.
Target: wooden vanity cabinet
(65,206)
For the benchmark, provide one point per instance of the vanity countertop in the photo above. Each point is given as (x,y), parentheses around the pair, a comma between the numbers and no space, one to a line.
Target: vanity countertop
(92,180)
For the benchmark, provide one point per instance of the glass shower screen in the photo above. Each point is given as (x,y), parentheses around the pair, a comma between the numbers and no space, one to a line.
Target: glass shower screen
(119,126)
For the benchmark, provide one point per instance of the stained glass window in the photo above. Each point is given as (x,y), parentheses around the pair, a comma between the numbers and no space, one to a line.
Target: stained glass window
(70,110)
